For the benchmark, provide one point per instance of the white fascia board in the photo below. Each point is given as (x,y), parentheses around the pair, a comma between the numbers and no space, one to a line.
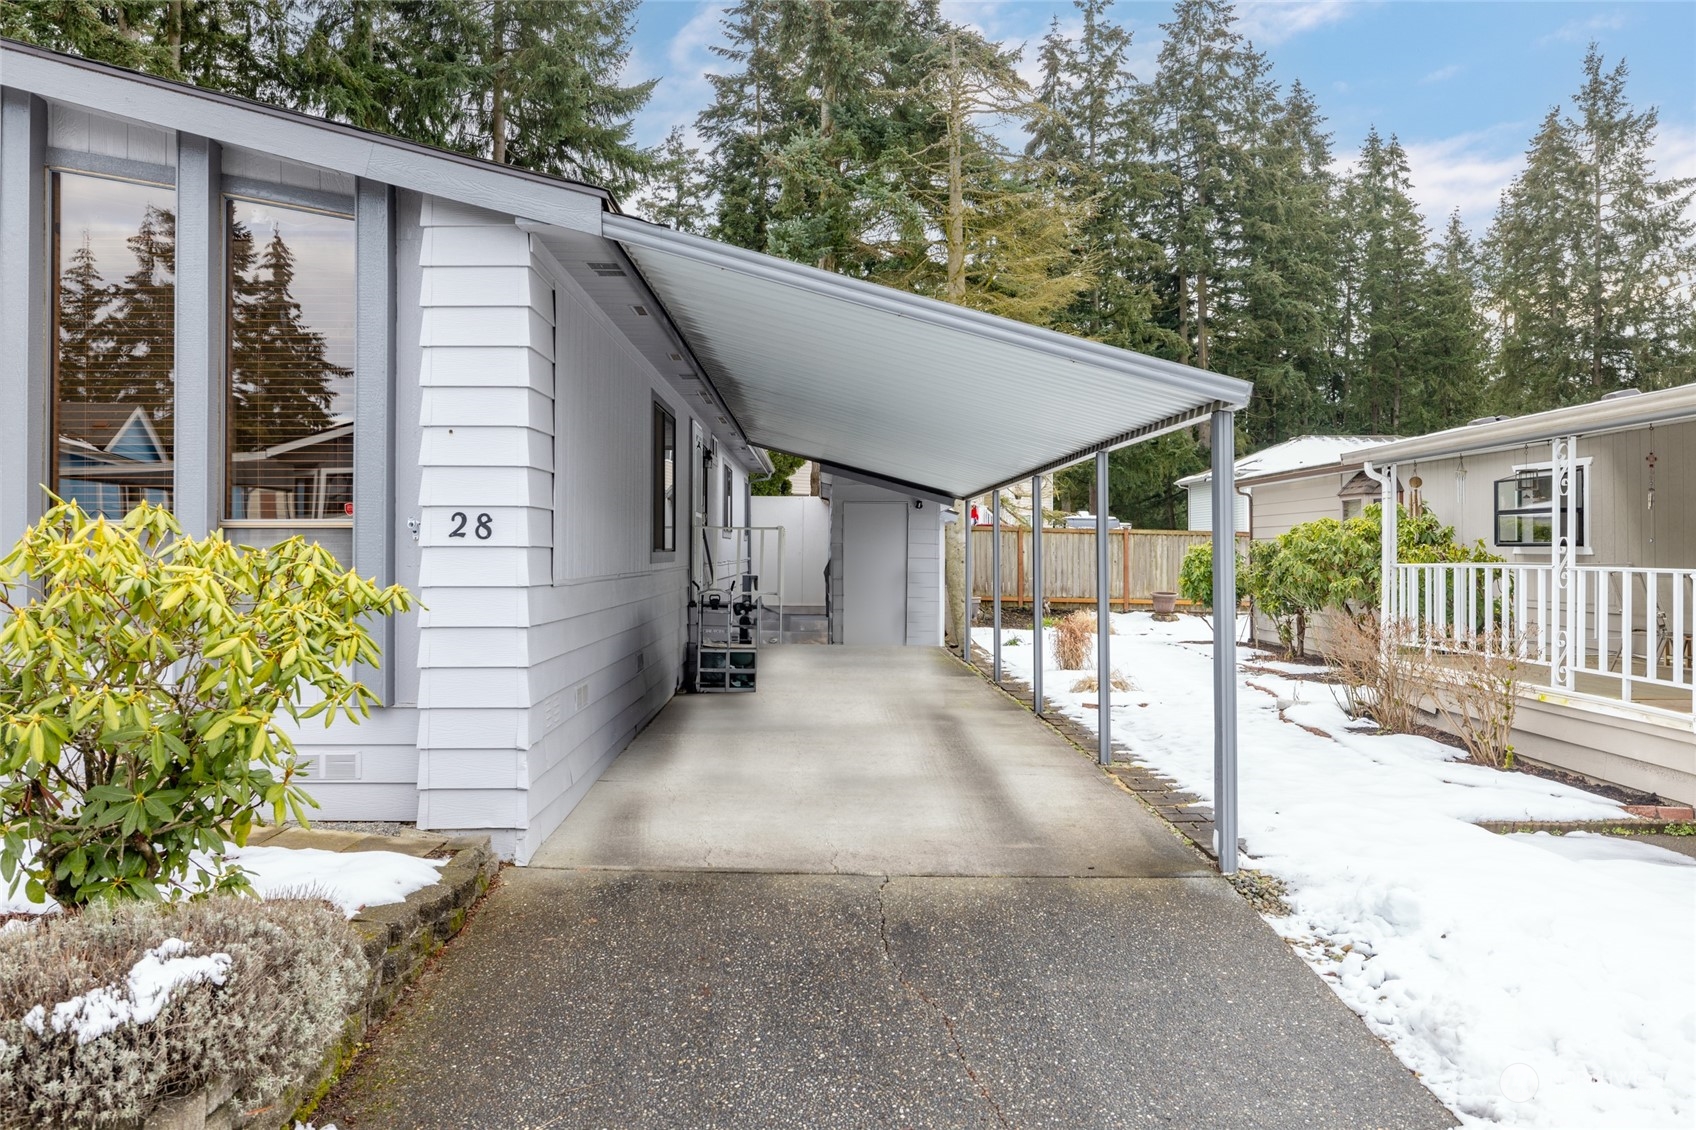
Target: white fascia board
(300,137)
(1626,413)
(1207,389)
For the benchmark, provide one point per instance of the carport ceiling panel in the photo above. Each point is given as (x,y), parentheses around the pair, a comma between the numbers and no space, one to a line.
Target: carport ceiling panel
(846,383)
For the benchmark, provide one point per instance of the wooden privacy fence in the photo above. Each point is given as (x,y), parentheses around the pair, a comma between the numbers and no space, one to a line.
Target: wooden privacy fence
(1140,562)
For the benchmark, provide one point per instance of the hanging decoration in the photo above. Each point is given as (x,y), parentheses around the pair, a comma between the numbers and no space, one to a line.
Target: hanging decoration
(1651,460)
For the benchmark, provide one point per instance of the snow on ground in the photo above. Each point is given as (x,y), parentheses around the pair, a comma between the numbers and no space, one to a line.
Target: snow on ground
(1529,980)
(350,880)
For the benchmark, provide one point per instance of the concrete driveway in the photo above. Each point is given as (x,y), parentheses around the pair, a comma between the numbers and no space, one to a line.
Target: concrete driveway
(875,893)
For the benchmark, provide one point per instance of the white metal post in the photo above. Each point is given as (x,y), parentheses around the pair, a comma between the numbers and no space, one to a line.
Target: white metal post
(995,580)
(1103,620)
(1036,593)
(966,619)
(1564,516)
(1224,642)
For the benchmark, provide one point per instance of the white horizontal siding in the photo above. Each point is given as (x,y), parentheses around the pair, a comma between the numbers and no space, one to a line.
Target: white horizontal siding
(385,744)
(486,449)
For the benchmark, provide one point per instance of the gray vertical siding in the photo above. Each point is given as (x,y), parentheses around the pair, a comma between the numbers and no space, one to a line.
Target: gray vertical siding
(199,424)
(374,384)
(23,312)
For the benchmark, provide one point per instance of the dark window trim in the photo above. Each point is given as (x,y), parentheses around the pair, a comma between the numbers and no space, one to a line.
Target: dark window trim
(1553,511)
(663,538)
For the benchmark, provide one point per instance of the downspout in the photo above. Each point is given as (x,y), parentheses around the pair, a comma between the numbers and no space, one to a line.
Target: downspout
(1387,544)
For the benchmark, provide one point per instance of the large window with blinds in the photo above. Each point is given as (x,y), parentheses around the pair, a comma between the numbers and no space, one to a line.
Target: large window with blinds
(290,334)
(114,259)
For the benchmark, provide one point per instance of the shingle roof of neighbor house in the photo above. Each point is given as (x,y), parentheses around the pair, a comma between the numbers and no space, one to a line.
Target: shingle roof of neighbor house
(788,357)
(1297,454)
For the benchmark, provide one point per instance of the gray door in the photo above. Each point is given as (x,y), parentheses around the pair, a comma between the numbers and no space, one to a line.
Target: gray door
(874,573)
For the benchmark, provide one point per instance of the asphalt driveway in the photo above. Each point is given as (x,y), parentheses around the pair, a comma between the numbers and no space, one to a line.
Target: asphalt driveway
(876,893)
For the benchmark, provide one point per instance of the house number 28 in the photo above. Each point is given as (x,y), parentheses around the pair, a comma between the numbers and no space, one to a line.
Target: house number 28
(485,527)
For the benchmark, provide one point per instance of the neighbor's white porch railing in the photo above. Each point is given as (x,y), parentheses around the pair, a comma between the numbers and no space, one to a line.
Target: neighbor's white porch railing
(1629,625)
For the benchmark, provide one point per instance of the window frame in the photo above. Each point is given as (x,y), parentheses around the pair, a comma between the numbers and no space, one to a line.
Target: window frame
(662,440)
(1542,470)
(227,195)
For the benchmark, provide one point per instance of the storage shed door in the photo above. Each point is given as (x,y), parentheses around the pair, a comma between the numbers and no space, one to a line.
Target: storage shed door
(874,574)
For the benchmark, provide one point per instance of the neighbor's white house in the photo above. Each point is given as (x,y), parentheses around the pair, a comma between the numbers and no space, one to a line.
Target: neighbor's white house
(492,387)
(1593,510)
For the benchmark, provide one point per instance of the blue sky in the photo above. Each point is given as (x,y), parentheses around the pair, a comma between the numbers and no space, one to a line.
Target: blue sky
(1462,83)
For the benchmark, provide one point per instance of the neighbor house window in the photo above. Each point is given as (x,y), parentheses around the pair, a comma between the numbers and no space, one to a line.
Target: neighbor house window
(289,428)
(1526,508)
(114,325)
(665,480)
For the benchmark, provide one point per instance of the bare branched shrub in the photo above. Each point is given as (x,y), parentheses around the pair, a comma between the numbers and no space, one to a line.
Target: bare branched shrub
(1074,640)
(1089,684)
(1479,694)
(1385,673)
(294,972)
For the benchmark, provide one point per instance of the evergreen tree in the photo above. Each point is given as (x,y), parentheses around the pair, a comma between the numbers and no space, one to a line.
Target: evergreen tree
(143,323)
(280,378)
(1592,260)
(1386,268)
(1453,344)
(676,194)
(744,117)
(85,342)
(1282,341)
(1003,232)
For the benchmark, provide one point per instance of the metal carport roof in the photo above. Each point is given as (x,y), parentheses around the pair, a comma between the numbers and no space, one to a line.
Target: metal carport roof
(914,390)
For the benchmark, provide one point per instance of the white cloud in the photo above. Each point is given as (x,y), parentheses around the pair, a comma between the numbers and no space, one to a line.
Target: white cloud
(1469,171)
(683,90)
(1270,22)
(1582,31)
(1441,74)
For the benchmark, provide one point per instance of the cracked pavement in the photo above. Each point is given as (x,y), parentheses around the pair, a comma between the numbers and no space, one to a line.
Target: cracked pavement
(874,894)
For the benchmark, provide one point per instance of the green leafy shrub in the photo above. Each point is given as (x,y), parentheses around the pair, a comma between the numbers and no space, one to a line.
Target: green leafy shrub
(294,971)
(145,678)
(1195,576)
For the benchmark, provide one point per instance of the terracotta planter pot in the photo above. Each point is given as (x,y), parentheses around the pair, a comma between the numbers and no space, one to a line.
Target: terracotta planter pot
(1165,603)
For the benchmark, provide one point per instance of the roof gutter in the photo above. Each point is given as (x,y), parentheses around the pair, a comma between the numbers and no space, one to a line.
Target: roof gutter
(1581,419)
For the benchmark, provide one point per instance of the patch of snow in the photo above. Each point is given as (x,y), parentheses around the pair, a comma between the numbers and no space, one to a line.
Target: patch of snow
(349,879)
(1529,981)
(1588,847)
(151,981)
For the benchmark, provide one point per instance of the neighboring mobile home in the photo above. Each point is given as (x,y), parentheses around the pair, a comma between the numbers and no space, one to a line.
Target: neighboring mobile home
(1290,482)
(491,386)
(1593,508)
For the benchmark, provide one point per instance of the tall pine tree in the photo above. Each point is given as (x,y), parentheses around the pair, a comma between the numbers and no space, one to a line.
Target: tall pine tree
(1592,259)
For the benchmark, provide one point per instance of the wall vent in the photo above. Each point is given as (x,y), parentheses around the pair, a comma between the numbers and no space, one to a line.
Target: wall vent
(583,696)
(641,311)
(323,767)
(607,270)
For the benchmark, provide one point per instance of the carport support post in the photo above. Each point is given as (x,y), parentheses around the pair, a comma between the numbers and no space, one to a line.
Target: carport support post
(1036,593)
(995,579)
(966,619)
(1224,642)
(1103,621)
